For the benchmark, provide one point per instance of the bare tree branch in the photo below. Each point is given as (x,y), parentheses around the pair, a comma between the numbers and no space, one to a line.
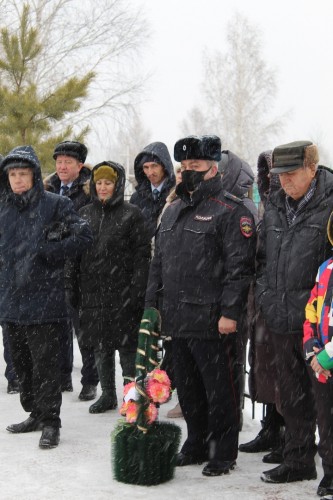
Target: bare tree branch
(106,37)
(239,90)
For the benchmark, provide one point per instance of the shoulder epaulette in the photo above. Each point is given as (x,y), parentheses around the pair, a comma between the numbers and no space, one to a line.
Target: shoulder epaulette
(232,197)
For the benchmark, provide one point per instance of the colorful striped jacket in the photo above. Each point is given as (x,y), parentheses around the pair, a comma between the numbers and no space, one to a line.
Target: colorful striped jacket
(318,326)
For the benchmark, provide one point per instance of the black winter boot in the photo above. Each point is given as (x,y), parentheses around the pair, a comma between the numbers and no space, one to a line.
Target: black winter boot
(276,455)
(106,368)
(13,387)
(50,437)
(269,436)
(326,485)
(104,403)
(88,392)
(29,425)
(284,474)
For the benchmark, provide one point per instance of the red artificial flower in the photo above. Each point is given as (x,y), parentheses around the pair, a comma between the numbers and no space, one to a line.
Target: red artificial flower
(132,412)
(123,408)
(151,413)
(158,393)
(127,387)
(160,376)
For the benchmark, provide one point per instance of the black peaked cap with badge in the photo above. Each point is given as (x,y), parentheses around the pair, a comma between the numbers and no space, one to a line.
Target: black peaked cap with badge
(193,147)
(71,148)
(289,157)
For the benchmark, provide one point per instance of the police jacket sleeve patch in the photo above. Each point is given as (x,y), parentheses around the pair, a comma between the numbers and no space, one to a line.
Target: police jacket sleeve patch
(246,226)
(232,197)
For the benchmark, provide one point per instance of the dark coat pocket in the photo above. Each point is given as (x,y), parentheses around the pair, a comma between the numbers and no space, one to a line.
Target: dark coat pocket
(197,313)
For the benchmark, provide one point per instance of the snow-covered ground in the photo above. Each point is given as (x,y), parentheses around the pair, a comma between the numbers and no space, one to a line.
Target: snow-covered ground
(80,468)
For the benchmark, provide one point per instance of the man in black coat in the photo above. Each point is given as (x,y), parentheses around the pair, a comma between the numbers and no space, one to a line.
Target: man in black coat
(71,179)
(292,244)
(155,177)
(39,231)
(204,262)
(71,174)
(12,386)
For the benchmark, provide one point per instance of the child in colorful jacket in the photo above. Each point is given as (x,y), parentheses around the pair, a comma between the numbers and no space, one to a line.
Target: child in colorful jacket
(318,351)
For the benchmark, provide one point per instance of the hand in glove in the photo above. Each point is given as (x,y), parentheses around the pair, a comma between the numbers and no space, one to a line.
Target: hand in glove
(56,231)
(310,348)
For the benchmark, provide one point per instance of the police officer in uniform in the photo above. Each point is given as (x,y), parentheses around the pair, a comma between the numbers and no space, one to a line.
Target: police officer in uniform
(203,263)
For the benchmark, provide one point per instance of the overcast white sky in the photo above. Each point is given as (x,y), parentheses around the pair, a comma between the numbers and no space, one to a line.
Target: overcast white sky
(297,40)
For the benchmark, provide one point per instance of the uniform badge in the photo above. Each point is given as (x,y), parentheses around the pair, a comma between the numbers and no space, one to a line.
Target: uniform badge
(246,226)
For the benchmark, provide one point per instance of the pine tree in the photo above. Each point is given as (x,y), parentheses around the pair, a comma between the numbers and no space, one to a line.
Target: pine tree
(28,113)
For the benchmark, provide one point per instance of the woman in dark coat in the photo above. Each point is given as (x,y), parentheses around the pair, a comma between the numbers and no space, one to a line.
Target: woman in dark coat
(113,278)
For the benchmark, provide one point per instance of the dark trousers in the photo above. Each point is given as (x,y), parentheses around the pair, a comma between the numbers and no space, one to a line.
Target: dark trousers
(89,371)
(9,370)
(167,362)
(127,363)
(241,343)
(208,395)
(35,354)
(126,357)
(324,403)
(66,352)
(295,400)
